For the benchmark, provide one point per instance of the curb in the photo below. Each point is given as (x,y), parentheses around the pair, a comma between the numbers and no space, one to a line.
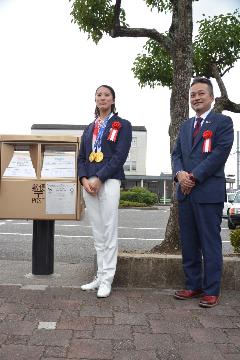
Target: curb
(165,271)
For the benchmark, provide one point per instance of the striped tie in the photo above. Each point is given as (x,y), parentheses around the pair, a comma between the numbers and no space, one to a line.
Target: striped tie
(196,128)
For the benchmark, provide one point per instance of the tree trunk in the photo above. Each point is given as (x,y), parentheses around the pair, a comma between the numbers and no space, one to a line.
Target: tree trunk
(171,244)
(181,34)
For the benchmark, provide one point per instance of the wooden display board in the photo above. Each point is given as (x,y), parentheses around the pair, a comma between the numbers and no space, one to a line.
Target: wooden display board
(29,188)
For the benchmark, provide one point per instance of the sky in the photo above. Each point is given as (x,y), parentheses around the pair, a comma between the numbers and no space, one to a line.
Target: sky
(49,72)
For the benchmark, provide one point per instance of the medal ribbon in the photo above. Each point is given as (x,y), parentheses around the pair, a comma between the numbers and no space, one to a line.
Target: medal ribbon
(207,145)
(98,141)
(113,135)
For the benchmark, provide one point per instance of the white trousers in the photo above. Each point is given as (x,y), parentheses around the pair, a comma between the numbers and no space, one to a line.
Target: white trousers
(102,210)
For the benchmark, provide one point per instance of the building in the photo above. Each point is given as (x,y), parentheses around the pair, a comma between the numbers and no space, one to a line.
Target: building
(136,161)
(135,165)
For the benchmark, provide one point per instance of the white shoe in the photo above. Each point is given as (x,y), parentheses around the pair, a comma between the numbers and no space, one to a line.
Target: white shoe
(92,285)
(104,290)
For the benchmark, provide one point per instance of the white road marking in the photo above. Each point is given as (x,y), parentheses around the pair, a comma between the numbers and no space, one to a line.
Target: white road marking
(140,228)
(84,236)
(73,225)
(73,236)
(139,239)
(20,234)
(25,223)
(90,237)
(89,226)
(121,227)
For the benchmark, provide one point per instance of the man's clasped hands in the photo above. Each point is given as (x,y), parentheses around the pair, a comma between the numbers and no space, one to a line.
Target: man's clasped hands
(186,181)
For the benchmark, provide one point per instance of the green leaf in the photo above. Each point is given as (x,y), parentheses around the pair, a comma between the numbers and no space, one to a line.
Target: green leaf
(160,5)
(154,66)
(95,17)
(218,41)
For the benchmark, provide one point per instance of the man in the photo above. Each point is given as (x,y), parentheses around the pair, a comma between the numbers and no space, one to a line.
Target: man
(199,156)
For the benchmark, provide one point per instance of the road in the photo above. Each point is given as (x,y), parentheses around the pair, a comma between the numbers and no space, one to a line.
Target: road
(138,230)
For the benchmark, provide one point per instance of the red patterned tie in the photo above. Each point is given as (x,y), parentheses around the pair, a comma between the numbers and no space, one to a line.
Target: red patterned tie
(197,128)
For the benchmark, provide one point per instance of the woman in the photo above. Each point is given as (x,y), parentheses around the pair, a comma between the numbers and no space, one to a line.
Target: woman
(104,148)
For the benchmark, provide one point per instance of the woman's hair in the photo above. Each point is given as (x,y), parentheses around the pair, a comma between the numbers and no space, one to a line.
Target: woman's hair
(113,108)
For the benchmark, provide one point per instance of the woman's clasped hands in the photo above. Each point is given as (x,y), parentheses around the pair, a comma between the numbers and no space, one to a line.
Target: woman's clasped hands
(92,186)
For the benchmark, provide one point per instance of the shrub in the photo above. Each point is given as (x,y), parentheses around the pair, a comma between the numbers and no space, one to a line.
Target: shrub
(140,195)
(235,240)
(125,203)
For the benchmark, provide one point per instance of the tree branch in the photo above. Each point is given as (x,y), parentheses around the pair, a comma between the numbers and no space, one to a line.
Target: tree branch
(120,31)
(233,107)
(117,11)
(229,68)
(223,103)
(219,80)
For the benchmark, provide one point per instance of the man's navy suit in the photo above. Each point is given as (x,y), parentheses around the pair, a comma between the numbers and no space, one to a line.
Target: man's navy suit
(200,212)
(115,153)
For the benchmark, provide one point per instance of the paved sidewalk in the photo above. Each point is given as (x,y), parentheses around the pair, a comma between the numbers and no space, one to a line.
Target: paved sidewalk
(54,323)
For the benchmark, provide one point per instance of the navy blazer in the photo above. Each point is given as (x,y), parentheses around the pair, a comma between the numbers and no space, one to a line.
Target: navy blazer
(115,153)
(207,168)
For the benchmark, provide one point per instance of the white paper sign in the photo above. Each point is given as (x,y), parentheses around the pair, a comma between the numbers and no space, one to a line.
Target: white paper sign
(57,173)
(57,165)
(20,166)
(60,198)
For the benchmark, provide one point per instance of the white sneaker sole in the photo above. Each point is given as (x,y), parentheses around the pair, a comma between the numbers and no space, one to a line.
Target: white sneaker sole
(86,289)
(103,296)
(93,289)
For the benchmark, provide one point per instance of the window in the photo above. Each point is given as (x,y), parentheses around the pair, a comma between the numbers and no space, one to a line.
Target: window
(134,142)
(134,166)
(127,166)
(130,166)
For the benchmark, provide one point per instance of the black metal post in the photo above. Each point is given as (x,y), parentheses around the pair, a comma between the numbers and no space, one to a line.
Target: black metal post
(43,247)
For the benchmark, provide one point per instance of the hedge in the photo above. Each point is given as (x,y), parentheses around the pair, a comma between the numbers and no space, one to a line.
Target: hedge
(139,195)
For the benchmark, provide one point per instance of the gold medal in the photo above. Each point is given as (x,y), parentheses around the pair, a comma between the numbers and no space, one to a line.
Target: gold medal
(98,156)
(92,156)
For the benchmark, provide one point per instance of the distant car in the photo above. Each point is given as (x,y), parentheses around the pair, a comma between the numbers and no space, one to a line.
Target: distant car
(234,212)
(227,204)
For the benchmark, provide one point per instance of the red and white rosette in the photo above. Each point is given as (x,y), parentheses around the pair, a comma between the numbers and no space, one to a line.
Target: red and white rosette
(207,145)
(116,126)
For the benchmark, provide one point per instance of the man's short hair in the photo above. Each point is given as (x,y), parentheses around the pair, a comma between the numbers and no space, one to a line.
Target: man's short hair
(203,80)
